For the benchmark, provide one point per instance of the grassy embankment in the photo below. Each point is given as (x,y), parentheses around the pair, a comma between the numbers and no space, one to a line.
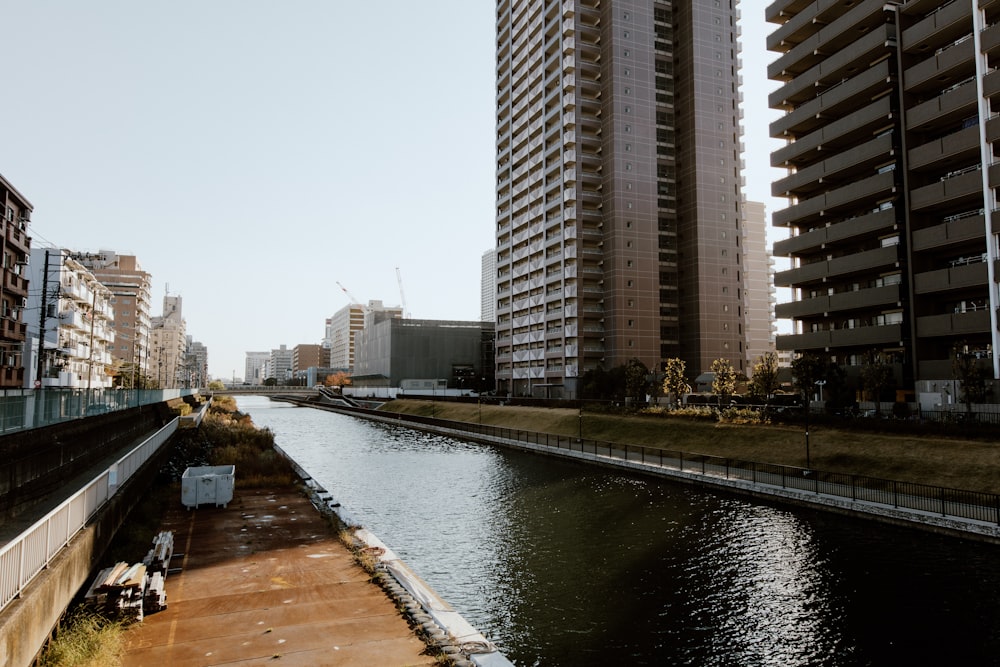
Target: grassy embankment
(226,437)
(972,465)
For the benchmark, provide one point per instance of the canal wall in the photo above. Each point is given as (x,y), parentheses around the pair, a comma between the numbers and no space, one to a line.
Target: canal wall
(27,622)
(803,489)
(444,629)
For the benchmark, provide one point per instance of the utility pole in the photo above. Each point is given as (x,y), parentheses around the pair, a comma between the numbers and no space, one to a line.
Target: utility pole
(41,324)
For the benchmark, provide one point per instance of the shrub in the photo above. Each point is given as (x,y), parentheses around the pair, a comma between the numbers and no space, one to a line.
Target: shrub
(696,412)
(743,416)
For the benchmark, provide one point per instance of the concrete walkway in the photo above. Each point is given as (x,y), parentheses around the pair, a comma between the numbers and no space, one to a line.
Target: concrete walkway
(266,580)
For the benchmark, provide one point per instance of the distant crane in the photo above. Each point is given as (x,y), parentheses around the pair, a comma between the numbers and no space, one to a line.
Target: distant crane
(402,297)
(350,296)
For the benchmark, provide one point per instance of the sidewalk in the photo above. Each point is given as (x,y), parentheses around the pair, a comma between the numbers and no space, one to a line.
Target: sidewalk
(266,580)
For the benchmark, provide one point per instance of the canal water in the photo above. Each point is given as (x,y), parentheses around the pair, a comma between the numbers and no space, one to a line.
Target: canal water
(562,563)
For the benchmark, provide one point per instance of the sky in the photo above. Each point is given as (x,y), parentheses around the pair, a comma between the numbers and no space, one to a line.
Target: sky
(269,162)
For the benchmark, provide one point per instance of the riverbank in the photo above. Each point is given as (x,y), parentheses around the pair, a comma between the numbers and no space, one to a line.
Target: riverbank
(971,465)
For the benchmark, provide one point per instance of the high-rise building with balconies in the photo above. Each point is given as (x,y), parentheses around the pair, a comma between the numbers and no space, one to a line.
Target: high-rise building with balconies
(619,188)
(132,288)
(890,155)
(15,214)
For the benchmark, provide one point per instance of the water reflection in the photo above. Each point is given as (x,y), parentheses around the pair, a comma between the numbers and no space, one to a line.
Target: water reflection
(561,563)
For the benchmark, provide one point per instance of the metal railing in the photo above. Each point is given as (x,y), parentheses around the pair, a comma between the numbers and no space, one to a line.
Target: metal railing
(25,556)
(23,409)
(936,500)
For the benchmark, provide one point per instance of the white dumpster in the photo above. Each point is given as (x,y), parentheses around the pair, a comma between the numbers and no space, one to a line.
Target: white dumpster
(202,485)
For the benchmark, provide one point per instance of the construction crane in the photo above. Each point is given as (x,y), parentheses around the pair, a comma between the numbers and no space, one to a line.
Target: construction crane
(402,297)
(350,296)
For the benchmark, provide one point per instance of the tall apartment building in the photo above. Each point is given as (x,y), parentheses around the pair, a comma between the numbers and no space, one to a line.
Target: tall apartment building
(488,287)
(196,364)
(168,345)
(72,335)
(759,297)
(15,215)
(619,218)
(891,174)
(132,298)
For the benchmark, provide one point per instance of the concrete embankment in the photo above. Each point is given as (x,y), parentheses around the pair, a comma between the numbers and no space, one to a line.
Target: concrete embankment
(445,630)
(790,486)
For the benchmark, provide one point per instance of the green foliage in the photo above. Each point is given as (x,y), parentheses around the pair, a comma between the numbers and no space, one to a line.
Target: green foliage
(130,376)
(806,370)
(965,368)
(724,384)
(599,384)
(764,382)
(675,383)
(742,416)
(217,385)
(636,380)
(876,377)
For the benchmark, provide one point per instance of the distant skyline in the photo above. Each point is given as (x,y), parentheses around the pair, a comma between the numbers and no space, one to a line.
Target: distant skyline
(253,154)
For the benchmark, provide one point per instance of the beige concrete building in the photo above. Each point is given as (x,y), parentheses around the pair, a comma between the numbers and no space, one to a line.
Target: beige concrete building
(891,185)
(345,323)
(168,345)
(759,296)
(619,188)
(131,288)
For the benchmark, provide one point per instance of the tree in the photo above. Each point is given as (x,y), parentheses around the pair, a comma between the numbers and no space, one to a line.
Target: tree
(876,376)
(636,380)
(765,382)
(724,383)
(130,376)
(216,385)
(338,379)
(675,384)
(806,370)
(966,369)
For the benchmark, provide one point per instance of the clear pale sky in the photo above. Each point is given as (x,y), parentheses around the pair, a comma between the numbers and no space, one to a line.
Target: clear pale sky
(254,153)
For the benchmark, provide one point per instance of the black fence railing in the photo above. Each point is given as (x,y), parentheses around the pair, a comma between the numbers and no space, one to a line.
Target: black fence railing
(940,501)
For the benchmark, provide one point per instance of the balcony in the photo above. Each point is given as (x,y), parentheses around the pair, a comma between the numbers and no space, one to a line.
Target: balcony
(873,224)
(951,232)
(954,324)
(951,278)
(14,283)
(858,263)
(940,28)
(12,330)
(850,196)
(944,69)
(949,192)
(950,106)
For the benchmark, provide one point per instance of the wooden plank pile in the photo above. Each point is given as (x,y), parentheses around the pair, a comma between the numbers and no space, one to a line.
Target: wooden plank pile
(126,591)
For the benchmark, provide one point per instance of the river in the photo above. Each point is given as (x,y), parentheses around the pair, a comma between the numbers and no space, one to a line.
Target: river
(564,563)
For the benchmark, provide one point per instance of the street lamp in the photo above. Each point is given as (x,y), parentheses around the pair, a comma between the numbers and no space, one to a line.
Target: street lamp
(818,383)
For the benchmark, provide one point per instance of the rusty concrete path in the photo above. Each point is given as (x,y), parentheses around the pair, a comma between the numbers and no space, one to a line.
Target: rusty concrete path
(266,581)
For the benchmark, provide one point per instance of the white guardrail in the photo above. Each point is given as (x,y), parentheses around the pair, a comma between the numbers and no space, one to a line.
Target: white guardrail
(28,554)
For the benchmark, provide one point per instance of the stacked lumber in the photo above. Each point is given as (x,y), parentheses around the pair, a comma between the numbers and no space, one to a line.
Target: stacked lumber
(119,590)
(158,558)
(126,591)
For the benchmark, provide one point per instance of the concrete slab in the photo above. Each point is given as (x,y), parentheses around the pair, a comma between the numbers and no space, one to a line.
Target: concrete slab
(267,581)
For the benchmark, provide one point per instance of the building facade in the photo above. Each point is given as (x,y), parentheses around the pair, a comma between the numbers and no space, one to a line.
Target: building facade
(168,345)
(196,364)
(132,297)
(279,365)
(345,323)
(759,298)
(619,188)
(255,371)
(890,144)
(488,287)
(72,335)
(15,215)
(393,352)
